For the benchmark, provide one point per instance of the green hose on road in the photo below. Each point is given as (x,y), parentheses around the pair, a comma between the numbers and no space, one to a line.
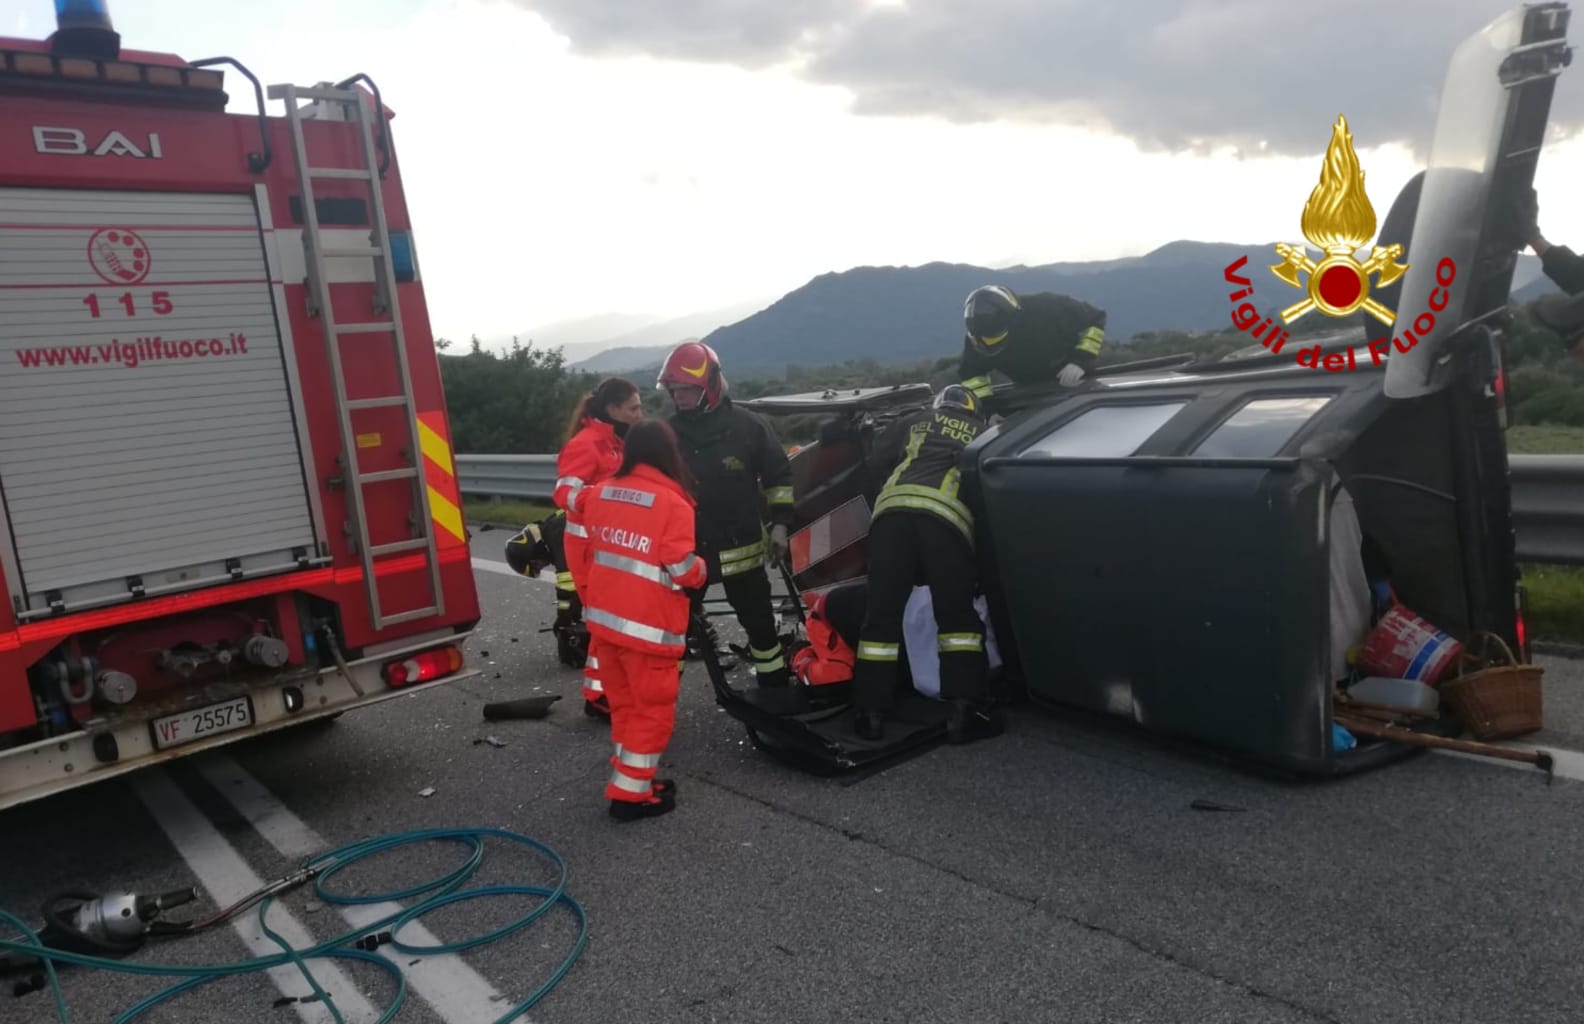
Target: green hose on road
(443,891)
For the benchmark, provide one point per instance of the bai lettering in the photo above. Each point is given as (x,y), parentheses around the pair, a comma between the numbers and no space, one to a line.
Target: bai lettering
(74,142)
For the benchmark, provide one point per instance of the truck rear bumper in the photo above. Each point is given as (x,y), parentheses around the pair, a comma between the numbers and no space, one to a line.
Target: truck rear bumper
(105,751)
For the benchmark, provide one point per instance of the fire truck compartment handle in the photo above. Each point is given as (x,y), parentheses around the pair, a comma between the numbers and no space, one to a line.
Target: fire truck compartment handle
(260,160)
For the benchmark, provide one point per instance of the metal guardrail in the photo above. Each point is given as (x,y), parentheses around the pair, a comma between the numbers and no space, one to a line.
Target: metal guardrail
(1548,496)
(1548,507)
(528,477)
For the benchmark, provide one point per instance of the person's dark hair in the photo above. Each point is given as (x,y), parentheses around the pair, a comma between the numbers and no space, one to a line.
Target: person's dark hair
(611,391)
(652,442)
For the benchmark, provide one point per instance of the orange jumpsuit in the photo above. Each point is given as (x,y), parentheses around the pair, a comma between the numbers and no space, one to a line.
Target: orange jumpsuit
(592,455)
(640,556)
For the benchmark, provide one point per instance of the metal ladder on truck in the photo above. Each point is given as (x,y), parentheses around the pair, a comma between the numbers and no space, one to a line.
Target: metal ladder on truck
(350,100)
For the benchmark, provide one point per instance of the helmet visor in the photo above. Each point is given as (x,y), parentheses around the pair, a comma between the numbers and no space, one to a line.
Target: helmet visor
(686,396)
(987,323)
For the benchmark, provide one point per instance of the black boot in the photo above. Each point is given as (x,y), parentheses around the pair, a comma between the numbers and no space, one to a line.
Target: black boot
(662,802)
(776,677)
(723,652)
(571,643)
(597,709)
(967,721)
(870,725)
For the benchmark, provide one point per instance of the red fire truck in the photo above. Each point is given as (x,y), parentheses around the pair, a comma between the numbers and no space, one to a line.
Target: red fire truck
(228,501)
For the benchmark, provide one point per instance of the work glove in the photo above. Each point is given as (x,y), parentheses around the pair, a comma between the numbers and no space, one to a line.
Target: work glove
(1070,375)
(778,544)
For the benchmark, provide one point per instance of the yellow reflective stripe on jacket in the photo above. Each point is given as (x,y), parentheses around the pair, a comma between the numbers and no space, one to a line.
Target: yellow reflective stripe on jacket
(980,386)
(779,495)
(927,499)
(1091,340)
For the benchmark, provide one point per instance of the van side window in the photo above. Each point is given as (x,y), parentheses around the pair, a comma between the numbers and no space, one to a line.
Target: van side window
(1260,428)
(1105,431)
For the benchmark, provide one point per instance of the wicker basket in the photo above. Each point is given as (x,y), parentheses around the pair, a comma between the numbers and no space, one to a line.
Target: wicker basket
(1499,701)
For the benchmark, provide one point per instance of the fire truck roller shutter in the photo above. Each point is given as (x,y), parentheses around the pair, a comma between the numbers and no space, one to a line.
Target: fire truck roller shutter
(146,418)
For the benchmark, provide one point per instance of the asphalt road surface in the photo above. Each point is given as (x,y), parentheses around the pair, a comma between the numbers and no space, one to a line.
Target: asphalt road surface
(1057,873)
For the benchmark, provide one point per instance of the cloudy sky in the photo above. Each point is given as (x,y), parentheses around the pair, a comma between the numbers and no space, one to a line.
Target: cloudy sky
(569,158)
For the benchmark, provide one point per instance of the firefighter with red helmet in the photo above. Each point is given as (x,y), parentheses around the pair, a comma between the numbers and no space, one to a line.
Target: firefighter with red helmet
(641,562)
(740,467)
(1033,338)
(592,453)
(922,534)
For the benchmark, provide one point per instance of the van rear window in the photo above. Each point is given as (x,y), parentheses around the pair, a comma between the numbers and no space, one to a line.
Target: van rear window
(1104,431)
(1260,428)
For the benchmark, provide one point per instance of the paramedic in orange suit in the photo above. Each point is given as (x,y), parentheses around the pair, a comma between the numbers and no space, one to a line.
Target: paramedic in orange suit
(640,562)
(593,452)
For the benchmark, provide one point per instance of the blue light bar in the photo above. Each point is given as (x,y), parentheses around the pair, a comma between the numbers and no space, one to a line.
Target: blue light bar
(404,259)
(83,29)
(83,14)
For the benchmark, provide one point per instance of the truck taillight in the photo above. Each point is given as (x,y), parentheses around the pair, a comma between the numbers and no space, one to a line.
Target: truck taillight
(1520,627)
(421,668)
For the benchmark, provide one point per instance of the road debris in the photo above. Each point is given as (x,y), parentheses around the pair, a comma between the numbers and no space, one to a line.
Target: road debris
(526,707)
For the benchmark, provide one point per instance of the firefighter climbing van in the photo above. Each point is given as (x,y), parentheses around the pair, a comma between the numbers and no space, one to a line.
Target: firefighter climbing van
(228,501)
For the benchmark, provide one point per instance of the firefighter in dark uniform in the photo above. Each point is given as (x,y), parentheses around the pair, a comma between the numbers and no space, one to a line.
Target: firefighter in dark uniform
(1562,265)
(922,534)
(1032,339)
(1564,313)
(532,550)
(740,468)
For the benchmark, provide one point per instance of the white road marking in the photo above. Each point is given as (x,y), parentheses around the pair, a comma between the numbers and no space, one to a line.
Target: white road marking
(228,878)
(458,993)
(489,565)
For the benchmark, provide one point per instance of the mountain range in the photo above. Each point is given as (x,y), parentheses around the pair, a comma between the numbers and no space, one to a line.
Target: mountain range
(907,314)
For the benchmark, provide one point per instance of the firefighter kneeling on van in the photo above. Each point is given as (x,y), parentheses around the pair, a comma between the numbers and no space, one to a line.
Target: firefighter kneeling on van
(922,534)
(1032,339)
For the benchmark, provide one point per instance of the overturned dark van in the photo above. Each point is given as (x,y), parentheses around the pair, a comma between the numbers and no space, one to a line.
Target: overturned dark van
(1184,543)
